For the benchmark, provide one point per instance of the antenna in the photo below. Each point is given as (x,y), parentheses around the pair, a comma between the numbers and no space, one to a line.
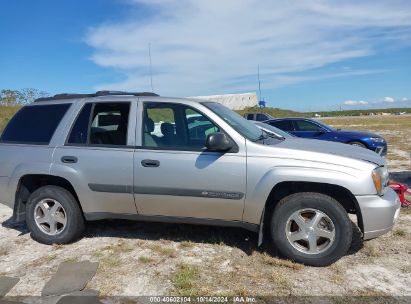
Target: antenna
(151,72)
(259,82)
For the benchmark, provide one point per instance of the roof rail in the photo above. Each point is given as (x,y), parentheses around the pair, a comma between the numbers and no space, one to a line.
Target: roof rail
(97,94)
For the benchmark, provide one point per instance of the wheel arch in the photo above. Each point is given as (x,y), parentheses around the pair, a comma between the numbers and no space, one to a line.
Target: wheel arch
(286,188)
(29,183)
(359,140)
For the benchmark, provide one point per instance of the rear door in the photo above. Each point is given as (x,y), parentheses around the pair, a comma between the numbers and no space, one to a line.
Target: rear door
(97,157)
(175,176)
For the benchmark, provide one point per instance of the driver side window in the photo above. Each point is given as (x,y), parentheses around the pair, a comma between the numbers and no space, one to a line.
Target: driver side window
(304,125)
(175,126)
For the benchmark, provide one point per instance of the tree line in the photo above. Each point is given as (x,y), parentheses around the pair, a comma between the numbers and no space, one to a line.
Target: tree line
(20,97)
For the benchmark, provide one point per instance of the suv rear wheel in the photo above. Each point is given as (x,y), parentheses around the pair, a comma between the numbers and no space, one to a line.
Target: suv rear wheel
(54,216)
(311,228)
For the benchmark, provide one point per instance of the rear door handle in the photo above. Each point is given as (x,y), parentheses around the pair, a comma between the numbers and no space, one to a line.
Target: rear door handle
(150,163)
(69,159)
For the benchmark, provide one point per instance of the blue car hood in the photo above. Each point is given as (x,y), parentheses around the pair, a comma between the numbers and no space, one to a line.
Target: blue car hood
(335,148)
(356,133)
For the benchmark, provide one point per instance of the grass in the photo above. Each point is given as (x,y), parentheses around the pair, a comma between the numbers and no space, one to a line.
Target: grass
(371,251)
(108,262)
(164,251)
(369,292)
(185,280)
(113,249)
(120,247)
(186,244)
(72,259)
(216,239)
(97,253)
(57,246)
(276,112)
(6,112)
(280,281)
(394,129)
(406,268)
(336,274)
(242,292)
(406,210)
(272,261)
(146,260)
(4,251)
(400,232)
(42,260)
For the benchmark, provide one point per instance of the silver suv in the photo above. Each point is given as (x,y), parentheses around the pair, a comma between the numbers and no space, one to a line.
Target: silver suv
(74,158)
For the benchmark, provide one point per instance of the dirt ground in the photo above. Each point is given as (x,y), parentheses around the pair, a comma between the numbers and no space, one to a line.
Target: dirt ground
(173,259)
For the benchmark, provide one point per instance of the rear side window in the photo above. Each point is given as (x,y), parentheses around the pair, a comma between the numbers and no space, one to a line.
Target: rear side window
(101,124)
(79,132)
(34,124)
(284,125)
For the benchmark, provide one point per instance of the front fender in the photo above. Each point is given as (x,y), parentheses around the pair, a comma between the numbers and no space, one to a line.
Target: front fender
(259,186)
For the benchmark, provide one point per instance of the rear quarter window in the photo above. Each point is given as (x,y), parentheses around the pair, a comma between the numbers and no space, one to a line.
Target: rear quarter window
(34,124)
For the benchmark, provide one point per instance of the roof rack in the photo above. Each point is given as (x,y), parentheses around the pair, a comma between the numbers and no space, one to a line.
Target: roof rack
(97,94)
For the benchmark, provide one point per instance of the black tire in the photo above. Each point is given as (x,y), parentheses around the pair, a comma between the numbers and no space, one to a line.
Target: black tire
(74,226)
(357,144)
(327,205)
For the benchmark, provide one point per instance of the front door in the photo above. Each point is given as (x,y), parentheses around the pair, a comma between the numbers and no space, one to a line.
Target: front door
(308,129)
(175,176)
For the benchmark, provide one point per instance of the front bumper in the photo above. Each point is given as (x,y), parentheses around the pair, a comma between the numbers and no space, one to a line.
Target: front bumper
(379,213)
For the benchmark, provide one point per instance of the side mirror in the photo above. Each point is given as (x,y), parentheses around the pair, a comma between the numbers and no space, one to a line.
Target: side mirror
(218,141)
(320,132)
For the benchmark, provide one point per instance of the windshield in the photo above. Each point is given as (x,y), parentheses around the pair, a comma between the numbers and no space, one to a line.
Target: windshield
(240,124)
(327,127)
(270,128)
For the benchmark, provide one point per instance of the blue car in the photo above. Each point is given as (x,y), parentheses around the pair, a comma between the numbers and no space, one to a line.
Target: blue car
(308,128)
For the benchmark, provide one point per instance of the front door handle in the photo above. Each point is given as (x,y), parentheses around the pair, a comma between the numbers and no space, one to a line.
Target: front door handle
(150,163)
(69,159)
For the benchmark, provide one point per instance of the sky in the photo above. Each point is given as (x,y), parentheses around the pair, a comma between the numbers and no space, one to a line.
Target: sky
(312,55)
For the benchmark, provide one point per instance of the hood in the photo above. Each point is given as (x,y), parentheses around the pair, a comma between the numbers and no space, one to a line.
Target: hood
(329,147)
(357,133)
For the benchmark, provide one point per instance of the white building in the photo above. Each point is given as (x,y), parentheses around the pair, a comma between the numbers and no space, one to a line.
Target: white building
(233,101)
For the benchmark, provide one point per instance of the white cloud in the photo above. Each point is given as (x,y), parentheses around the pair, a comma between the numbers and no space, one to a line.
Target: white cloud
(207,46)
(355,102)
(389,99)
(405,99)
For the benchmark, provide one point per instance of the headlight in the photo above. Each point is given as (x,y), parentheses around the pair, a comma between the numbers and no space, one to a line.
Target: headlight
(377,139)
(380,178)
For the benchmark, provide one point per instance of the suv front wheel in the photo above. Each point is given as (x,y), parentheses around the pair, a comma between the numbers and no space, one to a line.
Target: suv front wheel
(311,228)
(53,216)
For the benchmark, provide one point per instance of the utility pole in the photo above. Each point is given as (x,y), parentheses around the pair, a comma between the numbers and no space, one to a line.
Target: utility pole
(261,103)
